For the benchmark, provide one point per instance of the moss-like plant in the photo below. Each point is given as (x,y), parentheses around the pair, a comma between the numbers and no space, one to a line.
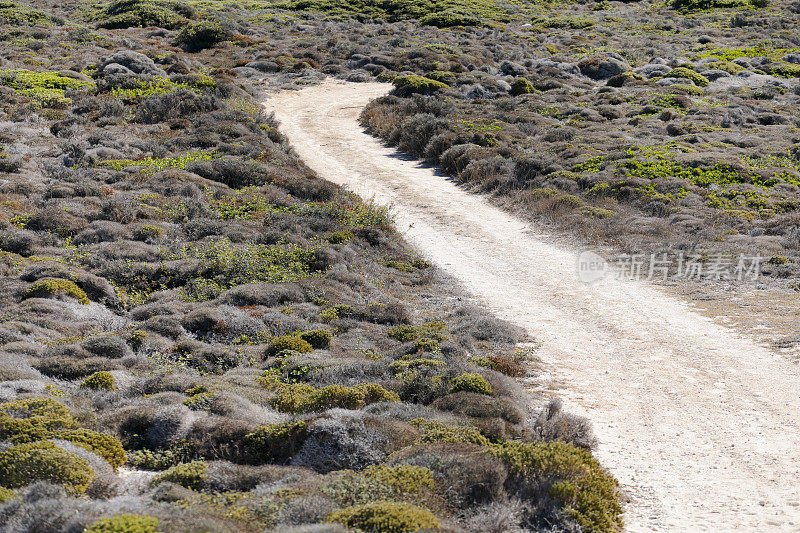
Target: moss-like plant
(32,419)
(469,382)
(288,342)
(689,74)
(203,34)
(386,517)
(190,475)
(412,84)
(169,14)
(46,88)
(106,446)
(304,398)
(589,494)
(23,464)
(402,478)
(522,86)
(318,338)
(49,287)
(6,494)
(125,523)
(276,442)
(101,380)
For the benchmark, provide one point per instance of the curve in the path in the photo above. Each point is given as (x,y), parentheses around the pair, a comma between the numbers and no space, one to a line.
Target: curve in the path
(697,422)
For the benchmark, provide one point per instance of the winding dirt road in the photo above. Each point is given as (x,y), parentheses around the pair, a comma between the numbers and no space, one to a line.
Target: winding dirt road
(697,422)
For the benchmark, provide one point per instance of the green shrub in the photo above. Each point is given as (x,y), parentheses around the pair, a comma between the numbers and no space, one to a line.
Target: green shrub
(317,338)
(435,330)
(203,34)
(6,494)
(438,432)
(303,398)
(402,478)
(16,14)
(169,14)
(190,475)
(424,344)
(106,446)
(689,74)
(288,342)
(48,287)
(777,260)
(340,237)
(411,84)
(589,494)
(374,393)
(45,88)
(385,517)
(469,382)
(522,86)
(101,380)
(276,442)
(125,523)
(33,419)
(688,6)
(23,464)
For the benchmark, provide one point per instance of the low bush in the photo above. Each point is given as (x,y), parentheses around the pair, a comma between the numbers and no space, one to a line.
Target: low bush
(288,342)
(33,419)
(276,442)
(49,287)
(318,338)
(386,517)
(413,84)
(203,34)
(125,523)
(189,475)
(106,446)
(168,14)
(23,464)
(304,398)
(6,495)
(101,380)
(469,382)
(689,74)
(588,493)
(521,86)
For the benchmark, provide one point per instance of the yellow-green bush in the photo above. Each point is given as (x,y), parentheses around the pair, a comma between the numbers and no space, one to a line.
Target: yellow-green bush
(276,442)
(303,398)
(168,14)
(106,446)
(408,85)
(402,478)
(23,464)
(33,419)
(190,475)
(438,432)
(317,338)
(405,333)
(521,86)
(386,517)
(6,494)
(288,342)
(589,494)
(125,523)
(101,380)
(689,74)
(470,382)
(48,287)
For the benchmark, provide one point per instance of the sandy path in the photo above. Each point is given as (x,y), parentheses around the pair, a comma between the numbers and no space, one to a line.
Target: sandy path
(698,423)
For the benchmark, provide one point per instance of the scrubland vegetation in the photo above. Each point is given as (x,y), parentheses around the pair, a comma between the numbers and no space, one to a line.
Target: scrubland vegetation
(199,334)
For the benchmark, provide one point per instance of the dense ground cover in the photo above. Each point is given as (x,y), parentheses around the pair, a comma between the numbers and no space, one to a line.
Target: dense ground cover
(198,334)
